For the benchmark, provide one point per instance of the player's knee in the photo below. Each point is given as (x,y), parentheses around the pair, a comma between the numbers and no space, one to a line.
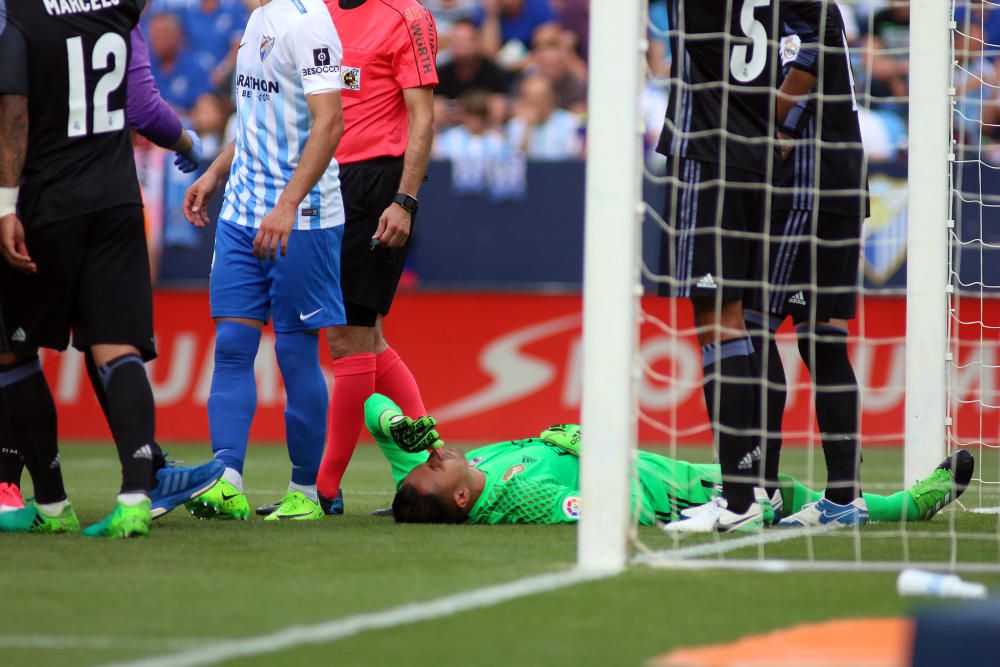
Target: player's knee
(105,354)
(235,344)
(822,347)
(17,367)
(761,324)
(381,344)
(11,359)
(345,341)
(718,324)
(108,369)
(300,347)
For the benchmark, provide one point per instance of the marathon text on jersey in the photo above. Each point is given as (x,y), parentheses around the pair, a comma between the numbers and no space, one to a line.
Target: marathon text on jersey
(253,83)
(60,7)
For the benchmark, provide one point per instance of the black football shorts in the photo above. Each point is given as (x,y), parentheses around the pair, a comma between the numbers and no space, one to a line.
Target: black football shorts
(92,281)
(813,264)
(369,278)
(713,226)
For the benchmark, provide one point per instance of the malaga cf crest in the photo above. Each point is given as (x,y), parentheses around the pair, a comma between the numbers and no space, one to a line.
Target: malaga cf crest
(266,44)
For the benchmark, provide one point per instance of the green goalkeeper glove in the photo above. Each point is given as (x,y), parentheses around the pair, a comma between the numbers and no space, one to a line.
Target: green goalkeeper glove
(564,436)
(414,435)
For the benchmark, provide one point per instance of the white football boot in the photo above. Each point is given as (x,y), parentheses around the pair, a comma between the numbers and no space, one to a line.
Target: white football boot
(715,517)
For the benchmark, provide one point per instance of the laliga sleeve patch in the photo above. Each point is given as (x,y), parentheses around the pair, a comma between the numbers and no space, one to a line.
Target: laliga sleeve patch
(321,57)
(571,507)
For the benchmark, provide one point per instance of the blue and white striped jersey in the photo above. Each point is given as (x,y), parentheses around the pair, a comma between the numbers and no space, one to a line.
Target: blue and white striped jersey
(290,50)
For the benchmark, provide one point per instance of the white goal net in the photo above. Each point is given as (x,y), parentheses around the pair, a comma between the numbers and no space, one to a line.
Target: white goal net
(923,343)
(974,239)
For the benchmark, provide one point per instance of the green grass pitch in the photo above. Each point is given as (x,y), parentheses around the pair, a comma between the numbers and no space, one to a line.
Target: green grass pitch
(73,601)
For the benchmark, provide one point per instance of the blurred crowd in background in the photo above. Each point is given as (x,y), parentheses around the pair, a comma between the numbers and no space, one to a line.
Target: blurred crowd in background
(514,72)
(513,86)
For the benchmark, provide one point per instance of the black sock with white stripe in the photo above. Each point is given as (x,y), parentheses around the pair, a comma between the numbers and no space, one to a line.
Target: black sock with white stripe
(29,419)
(131,415)
(837,408)
(97,384)
(762,330)
(730,395)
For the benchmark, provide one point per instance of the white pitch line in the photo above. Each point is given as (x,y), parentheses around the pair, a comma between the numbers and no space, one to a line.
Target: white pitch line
(985,510)
(720,547)
(340,628)
(64,642)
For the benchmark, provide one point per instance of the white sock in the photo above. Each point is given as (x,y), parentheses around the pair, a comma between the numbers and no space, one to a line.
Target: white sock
(309,491)
(53,509)
(132,498)
(233,476)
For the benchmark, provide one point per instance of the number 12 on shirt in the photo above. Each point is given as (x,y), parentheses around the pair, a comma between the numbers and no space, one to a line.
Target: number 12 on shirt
(110,45)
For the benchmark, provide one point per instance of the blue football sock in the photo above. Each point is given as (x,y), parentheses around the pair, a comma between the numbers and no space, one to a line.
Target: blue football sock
(307,403)
(233,399)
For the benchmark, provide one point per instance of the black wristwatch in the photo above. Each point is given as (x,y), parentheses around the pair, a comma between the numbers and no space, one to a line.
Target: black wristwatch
(406,201)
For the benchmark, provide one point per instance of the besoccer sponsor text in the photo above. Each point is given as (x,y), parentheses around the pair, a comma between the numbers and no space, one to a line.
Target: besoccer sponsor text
(326,69)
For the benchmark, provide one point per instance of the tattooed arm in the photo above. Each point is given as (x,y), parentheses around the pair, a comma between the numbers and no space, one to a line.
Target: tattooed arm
(13,138)
(13,148)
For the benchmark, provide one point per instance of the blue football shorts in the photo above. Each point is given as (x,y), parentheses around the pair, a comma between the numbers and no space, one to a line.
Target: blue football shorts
(301,290)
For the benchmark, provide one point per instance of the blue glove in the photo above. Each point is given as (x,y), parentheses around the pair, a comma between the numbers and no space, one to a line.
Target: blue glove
(191,160)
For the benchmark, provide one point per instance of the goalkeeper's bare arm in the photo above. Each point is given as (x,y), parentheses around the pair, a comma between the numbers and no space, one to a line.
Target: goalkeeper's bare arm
(536,480)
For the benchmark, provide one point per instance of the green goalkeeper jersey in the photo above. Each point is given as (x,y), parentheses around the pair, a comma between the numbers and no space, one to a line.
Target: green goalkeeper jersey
(533,481)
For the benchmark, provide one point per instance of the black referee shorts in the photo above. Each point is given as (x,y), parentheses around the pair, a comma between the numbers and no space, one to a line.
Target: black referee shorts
(712,241)
(813,265)
(369,278)
(92,280)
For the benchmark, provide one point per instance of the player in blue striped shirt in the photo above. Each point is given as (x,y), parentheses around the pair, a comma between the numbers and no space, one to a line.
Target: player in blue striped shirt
(281,178)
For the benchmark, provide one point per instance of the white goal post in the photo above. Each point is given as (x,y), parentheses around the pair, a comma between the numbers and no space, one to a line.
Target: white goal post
(928,168)
(611,280)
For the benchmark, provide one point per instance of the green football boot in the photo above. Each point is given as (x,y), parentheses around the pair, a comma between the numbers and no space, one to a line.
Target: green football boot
(296,506)
(31,519)
(222,501)
(124,521)
(948,481)
(387,423)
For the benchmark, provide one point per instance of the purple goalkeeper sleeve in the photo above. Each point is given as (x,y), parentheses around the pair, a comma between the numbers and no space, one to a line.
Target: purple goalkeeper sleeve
(147,112)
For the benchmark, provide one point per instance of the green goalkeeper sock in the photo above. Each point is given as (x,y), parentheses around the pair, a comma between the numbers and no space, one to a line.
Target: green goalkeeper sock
(891,508)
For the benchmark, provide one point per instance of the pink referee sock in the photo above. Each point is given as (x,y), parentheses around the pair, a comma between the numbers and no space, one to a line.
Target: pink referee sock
(394,379)
(354,382)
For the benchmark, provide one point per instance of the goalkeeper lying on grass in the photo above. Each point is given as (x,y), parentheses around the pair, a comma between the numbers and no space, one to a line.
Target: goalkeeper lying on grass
(536,480)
